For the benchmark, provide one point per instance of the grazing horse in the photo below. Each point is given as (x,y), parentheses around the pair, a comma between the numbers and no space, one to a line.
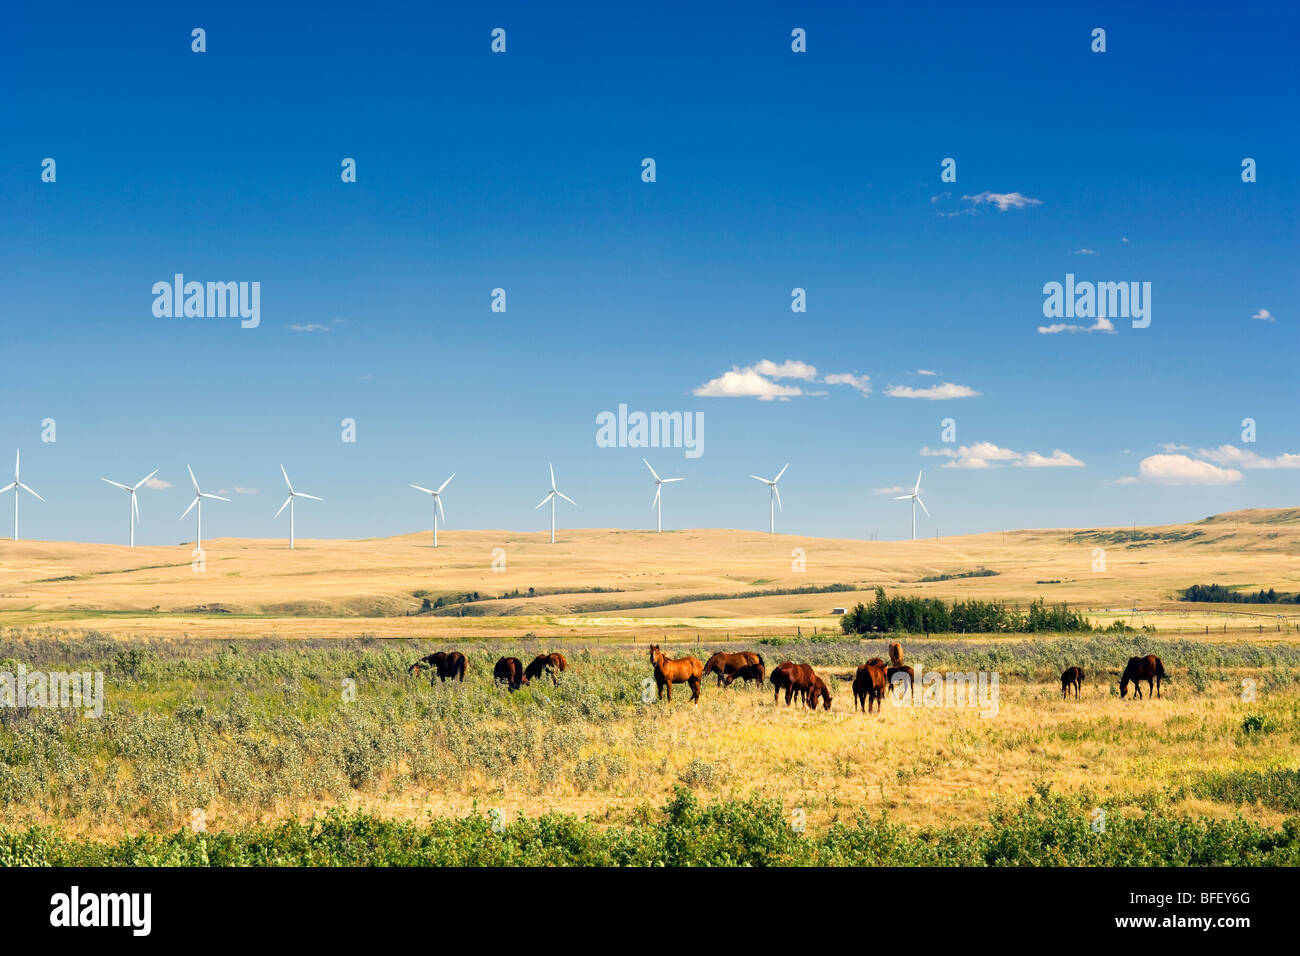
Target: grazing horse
(750,672)
(447,665)
(794,679)
(896,654)
(1149,668)
(510,671)
(681,670)
(1072,677)
(910,686)
(724,664)
(547,664)
(869,685)
(819,690)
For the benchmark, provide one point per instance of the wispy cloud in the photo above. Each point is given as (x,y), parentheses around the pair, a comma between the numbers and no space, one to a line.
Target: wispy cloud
(1244,458)
(1003,201)
(245,491)
(895,490)
(934,392)
(157,484)
(925,371)
(1085,252)
(1263,315)
(1102,324)
(767,380)
(986,454)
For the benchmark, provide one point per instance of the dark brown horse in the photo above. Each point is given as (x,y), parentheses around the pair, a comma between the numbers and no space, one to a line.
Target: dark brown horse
(819,691)
(552,664)
(447,665)
(869,685)
(682,670)
(510,671)
(904,687)
(1149,669)
(1072,677)
(896,654)
(750,672)
(724,664)
(794,679)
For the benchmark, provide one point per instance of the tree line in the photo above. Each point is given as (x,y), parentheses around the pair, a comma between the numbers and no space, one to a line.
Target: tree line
(1218,594)
(916,615)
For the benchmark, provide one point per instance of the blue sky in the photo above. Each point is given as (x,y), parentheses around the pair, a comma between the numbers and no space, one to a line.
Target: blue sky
(522,170)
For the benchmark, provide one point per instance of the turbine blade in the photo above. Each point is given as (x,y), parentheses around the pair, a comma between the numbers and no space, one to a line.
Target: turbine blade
(777,491)
(544,500)
(218,497)
(303,494)
(446,483)
(780,473)
(116,484)
(763,480)
(28,490)
(427,491)
(918,483)
(286,479)
(135,506)
(552,467)
(567,498)
(438,500)
(145,478)
(191,507)
(669,481)
(18,452)
(652,471)
(923,507)
(285,505)
(655,503)
(193,479)
(902,497)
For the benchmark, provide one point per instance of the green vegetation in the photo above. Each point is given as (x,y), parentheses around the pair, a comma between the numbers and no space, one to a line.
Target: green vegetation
(1217,594)
(1046,830)
(914,615)
(980,572)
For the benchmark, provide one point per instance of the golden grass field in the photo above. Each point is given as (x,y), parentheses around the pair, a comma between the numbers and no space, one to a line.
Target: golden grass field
(345,588)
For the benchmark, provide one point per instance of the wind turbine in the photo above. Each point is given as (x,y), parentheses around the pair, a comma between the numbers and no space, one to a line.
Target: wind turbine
(133,513)
(289,501)
(551,498)
(773,496)
(198,500)
(437,500)
(915,497)
(15,485)
(658,502)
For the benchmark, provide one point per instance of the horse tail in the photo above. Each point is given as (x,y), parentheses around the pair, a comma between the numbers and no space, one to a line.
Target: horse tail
(760,660)
(1160,669)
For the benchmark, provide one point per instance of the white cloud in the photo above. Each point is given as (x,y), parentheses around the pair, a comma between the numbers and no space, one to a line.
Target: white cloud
(1102,324)
(895,490)
(1244,458)
(944,391)
(986,454)
(1003,201)
(245,491)
(760,381)
(1182,470)
(1172,446)
(309,327)
(1084,252)
(157,484)
(1263,315)
(925,371)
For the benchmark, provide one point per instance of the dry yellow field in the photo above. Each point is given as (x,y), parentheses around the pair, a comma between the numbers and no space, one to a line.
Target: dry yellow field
(377,586)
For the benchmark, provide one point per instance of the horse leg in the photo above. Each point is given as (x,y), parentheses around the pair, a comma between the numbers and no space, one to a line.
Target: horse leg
(695,690)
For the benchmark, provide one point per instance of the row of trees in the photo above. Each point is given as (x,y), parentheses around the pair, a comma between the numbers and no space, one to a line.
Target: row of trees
(915,615)
(1217,594)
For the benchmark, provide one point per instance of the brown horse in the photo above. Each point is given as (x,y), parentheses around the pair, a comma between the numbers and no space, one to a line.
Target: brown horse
(896,654)
(1149,669)
(1071,677)
(724,664)
(447,665)
(794,679)
(682,670)
(869,685)
(750,672)
(551,664)
(903,688)
(510,671)
(819,690)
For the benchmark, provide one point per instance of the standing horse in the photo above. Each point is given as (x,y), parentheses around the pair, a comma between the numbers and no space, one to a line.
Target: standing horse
(794,679)
(547,664)
(509,671)
(1149,668)
(750,672)
(819,690)
(447,665)
(1072,677)
(869,685)
(682,670)
(903,688)
(724,664)
(896,654)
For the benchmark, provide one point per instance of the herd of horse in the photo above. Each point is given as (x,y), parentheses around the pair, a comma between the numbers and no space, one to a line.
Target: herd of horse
(871,681)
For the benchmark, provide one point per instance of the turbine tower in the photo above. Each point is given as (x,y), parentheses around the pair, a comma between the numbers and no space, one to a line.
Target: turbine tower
(658,500)
(198,500)
(551,498)
(15,485)
(133,513)
(437,500)
(773,498)
(289,501)
(915,498)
